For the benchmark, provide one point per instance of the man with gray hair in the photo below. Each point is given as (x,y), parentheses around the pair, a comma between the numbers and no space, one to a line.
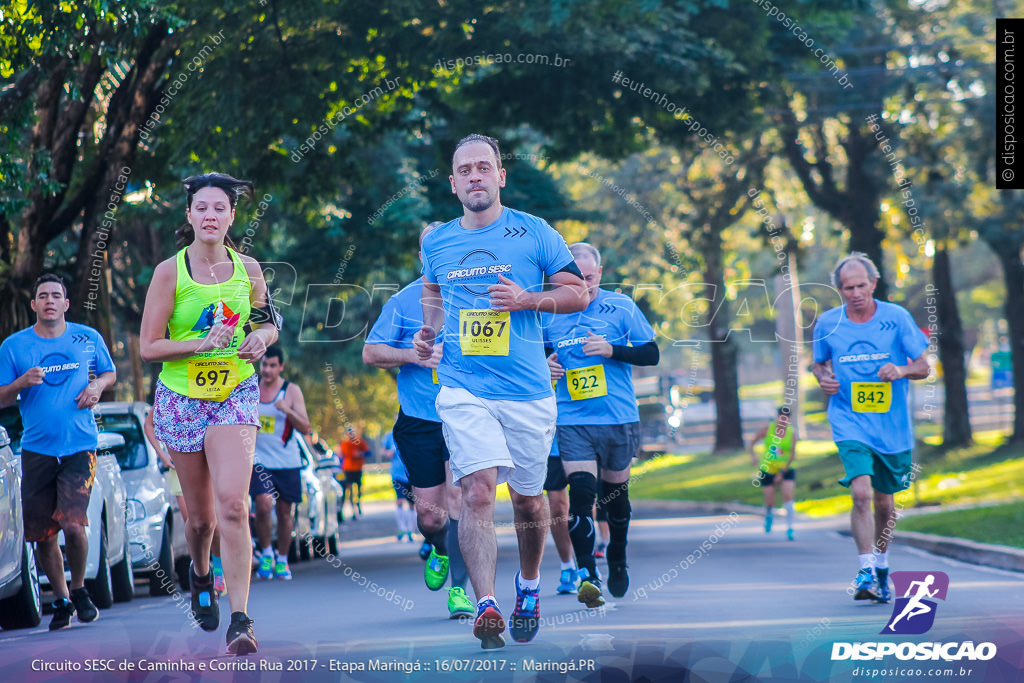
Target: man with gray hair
(591,357)
(864,353)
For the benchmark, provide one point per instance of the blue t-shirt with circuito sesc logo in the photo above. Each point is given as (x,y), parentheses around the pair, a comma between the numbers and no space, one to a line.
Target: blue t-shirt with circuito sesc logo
(54,424)
(400,319)
(597,390)
(493,354)
(866,409)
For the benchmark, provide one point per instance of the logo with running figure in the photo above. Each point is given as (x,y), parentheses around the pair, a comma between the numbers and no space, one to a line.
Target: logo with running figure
(213,314)
(914,612)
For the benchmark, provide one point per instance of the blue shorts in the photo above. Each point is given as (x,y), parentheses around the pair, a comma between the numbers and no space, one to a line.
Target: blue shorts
(283,484)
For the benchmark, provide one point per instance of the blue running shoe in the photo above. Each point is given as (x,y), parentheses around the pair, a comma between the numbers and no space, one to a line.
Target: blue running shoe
(882,580)
(768,523)
(567,582)
(865,583)
(489,625)
(525,619)
(790,535)
(266,569)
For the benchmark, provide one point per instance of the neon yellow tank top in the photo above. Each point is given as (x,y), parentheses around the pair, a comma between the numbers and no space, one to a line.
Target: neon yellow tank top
(775,451)
(213,374)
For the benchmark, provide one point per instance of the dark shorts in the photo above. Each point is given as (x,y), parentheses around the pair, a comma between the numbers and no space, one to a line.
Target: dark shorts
(556,480)
(424,452)
(767,479)
(613,447)
(403,489)
(353,477)
(889,472)
(55,491)
(283,484)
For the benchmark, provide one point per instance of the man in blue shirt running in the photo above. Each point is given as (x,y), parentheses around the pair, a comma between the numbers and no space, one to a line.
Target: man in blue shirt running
(419,437)
(60,369)
(594,352)
(483,276)
(864,353)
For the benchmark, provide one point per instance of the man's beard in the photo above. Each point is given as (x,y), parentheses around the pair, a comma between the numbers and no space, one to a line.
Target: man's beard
(478,204)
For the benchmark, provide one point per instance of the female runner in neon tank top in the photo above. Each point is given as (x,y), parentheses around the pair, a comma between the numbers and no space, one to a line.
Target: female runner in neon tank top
(207,395)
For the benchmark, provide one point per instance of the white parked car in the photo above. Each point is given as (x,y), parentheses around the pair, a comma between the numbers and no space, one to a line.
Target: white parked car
(20,604)
(108,569)
(156,530)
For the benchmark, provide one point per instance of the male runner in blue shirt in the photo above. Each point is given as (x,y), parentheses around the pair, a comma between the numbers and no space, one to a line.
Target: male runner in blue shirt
(483,275)
(864,353)
(60,369)
(598,420)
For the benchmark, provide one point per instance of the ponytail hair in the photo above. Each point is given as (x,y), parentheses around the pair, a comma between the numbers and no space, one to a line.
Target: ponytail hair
(232,187)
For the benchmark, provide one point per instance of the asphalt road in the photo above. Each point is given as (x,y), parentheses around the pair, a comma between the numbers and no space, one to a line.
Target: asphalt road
(712,598)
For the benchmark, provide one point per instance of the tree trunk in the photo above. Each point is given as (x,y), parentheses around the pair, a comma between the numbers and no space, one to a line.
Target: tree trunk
(728,423)
(1013,277)
(956,421)
(135,355)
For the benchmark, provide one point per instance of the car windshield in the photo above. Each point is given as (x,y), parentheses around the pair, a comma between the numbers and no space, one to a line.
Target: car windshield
(133,456)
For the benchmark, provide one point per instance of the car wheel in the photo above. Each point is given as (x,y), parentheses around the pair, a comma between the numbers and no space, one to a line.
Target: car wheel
(24,609)
(100,589)
(181,569)
(161,581)
(122,576)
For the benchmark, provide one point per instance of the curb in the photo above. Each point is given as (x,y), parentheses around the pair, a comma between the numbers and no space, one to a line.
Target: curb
(972,552)
(990,555)
(698,508)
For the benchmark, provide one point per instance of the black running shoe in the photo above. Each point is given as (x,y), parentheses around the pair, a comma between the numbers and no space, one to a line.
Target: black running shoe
(618,579)
(83,605)
(241,639)
(63,610)
(204,600)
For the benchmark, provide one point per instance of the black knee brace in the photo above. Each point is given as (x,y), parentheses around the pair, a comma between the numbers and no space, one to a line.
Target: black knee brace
(582,494)
(615,499)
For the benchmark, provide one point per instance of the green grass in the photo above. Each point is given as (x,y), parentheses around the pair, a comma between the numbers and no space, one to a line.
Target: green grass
(1000,524)
(980,474)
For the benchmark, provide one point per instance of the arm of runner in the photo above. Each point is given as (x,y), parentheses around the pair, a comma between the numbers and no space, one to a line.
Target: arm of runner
(386,357)
(826,378)
(643,354)
(792,452)
(433,319)
(9,392)
(156,314)
(294,406)
(569,294)
(90,395)
(915,369)
(263,334)
(557,371)
(149,429)
(753,442)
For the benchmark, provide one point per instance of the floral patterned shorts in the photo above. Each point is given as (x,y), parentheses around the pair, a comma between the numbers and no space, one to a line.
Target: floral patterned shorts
(181,421)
